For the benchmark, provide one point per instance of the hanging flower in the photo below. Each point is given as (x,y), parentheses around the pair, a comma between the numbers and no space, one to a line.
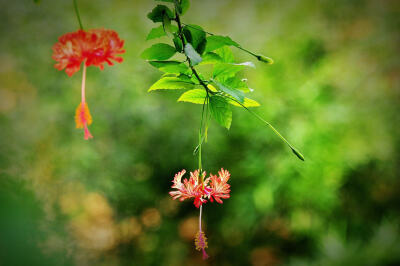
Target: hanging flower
(212,188)
(92,48)
(191,188)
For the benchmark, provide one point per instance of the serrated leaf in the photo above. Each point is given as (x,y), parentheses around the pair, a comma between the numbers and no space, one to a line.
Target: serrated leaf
(220,110)
(171,83)
(247,102)
(226,54)
(157,14)
(159,51)
(170,66)
(196,36)
(235,93)
(215,41)
(196,96)
(190,52)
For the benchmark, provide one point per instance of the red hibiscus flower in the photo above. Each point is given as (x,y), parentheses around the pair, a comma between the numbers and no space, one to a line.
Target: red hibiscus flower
(199,188)
(92,48)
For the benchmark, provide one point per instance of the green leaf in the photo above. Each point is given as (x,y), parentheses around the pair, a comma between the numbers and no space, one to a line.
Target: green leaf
(159,51)
(226,70)
(221,111)
(226,54)
(190,52)
(167,25)
(171,83)
(170,66)
(196,36)
(178,43)
(215,41)
(185,4)
(235,93)
(157,14)
(159,32)
(211,58)
(247,103)
(187,78)
(156,33)
(196,96)
(237,83)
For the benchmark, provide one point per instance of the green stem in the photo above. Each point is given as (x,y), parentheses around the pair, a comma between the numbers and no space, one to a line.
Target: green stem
(201,137)
(77,14)
(178,21)
(294,150)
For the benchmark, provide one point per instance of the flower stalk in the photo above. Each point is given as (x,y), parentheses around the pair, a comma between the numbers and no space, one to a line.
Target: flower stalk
(77,14)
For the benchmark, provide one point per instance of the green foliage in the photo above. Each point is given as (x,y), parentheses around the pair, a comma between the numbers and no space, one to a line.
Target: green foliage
(247,102)
(191,53)
(159,51)
(214,42)
(236,94)
(157,14)
(159,31)
(197,96)
(221,111)
(193,42)
(171,66)
(171,83)
(196,36)
(226,70)
(225,54)
(184,6)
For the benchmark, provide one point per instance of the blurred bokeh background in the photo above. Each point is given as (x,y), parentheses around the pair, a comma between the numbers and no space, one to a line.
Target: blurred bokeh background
(333,91)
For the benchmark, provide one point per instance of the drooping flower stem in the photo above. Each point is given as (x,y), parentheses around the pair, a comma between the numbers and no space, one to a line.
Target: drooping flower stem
(77,14)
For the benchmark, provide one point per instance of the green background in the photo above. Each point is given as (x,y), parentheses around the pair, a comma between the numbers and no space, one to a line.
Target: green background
(333,92)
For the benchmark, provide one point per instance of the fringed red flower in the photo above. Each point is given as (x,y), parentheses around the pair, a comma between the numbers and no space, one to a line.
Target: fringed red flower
(212,188)
(92,48)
